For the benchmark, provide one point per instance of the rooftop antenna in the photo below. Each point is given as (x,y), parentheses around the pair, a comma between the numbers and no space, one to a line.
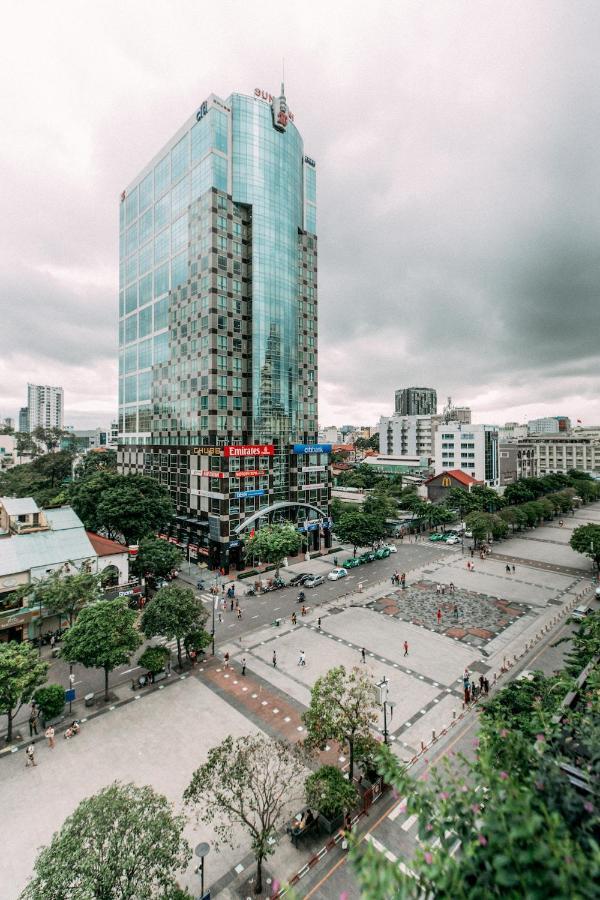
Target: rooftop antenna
(282,76)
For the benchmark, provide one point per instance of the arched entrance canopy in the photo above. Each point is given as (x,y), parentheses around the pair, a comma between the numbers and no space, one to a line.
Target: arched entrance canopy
(279,505)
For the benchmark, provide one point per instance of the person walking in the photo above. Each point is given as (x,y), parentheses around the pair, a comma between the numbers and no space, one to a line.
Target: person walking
(472,553)
(33,723)
(406,648)
(486,686)
(294,620)
(439,617)
(243,665)
(232,604)
(451,587)
(239,612)
(508,568)
(455,612)
(302,659)
(274,659)
(319,622)
(30,756)
(220,615)
(443,590)
(335,561)
(303,610)
(438,589)
(513,570)
(226,659)
(363,655)
(403,579)
(50,736)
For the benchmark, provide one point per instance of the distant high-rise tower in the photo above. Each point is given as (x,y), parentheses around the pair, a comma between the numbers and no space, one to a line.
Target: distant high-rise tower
(218,372)
(45,407)
(416,401)
(23,419)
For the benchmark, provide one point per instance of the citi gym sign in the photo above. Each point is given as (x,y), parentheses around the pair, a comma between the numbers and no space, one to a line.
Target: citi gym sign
(249,450)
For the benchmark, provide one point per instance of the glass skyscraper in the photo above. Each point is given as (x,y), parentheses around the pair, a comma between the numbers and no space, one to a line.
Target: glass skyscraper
(218,370)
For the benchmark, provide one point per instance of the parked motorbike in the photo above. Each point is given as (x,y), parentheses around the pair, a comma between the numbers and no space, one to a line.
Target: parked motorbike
(250,592)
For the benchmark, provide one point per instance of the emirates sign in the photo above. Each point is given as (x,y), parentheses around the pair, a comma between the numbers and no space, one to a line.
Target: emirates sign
(250,450)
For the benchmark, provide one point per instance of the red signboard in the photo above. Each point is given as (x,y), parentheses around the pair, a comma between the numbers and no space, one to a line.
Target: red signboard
(206,473)
(250,450)
(250,473)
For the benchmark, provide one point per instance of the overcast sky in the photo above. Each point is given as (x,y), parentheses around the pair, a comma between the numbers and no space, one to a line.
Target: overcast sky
(458,188)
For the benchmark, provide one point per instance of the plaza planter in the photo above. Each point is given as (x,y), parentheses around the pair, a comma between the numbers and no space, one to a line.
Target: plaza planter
(330,826)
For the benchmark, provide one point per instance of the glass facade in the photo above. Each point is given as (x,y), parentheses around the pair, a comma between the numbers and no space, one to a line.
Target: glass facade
(218,318)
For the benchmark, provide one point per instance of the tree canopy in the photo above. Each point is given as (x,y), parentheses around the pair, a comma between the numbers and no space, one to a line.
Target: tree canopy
(586,540)
(272,543)
(43,478)
(123,843)
(360,529)
(252,782)
(103,637)
(156,558)
(21,672)
(174,612)
(343,707)
(63,594)
(123,507)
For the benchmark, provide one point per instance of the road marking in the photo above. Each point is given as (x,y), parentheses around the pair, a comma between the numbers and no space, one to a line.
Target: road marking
(406,826)
(126,672)
(401,807)
(255,617)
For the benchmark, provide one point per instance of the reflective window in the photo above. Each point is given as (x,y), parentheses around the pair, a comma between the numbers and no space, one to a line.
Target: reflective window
(161,348)
(144,386)
(131,268)
(144,354)
(179,233)
(180,158)
(161,280)
(201,138)
(146,192)
(145,321)
(130,359)
(161,246)
(161,315)
(130,389)
(179,269)
(131,329)
(180,197)
(161,177)
(145,258)
(131,206)
(162,212)
(219,130)
(145,226)
(131,297)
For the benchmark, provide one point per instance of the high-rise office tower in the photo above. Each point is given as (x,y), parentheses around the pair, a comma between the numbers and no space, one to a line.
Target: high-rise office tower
(45,406)
(416,401)
(218,370)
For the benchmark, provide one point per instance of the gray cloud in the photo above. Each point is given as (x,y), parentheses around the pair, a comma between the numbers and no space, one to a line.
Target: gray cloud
(457,161)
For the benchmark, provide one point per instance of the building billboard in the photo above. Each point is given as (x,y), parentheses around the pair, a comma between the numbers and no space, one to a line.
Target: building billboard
(249,450)
(311,448)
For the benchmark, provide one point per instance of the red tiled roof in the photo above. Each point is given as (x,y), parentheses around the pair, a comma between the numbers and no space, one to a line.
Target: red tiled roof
(103,546)
(458,475)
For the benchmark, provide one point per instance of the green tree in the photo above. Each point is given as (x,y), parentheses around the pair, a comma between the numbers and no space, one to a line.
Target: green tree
(97,461)
(49,437)
(156,558)
(586,540)
(50,700)
(103,637)
(174,612)
(343,708)
(154,659)
(249,782)
(124,507)
(473,846)
(381,504)
(21,672)
(272,543)
(123,843)
(64,595)
(26,446)
(360,529)
(487,497)
(41,479)
(330,793)
(462,501)
(479,524)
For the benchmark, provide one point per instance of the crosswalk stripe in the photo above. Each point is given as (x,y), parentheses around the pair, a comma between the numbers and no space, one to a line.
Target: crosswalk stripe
(391,857)
(401,807)
(406,826)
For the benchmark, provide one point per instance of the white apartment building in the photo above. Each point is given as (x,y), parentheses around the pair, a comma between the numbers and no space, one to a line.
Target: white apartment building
(45,405)
(549,425)
(405,435)
(473,449)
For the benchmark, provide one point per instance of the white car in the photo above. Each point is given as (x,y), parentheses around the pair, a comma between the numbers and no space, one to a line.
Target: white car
(391,547)
(453,540)
(337,573)
(468,534)
(581,611)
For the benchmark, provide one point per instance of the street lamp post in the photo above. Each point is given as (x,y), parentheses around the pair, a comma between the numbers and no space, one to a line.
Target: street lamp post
(383,686)
(202,850)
